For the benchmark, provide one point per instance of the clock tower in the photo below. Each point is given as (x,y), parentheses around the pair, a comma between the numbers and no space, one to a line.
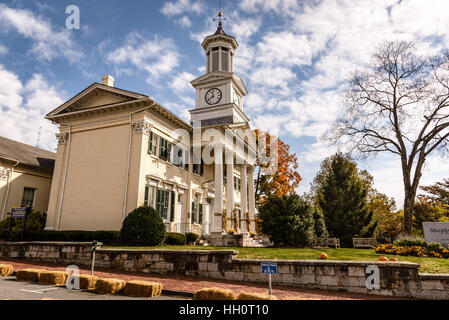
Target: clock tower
(219,92)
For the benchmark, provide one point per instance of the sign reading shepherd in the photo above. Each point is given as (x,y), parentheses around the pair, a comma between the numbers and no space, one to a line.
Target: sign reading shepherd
(269,268)
(436,232)
(18,213)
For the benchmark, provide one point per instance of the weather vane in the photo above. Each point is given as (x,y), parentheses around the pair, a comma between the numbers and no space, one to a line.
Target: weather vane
(220,15)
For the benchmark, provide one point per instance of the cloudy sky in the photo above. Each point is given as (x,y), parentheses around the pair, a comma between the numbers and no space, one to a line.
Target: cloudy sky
(294,57)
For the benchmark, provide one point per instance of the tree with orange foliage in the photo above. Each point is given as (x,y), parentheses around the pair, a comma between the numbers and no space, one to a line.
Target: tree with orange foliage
(277,168)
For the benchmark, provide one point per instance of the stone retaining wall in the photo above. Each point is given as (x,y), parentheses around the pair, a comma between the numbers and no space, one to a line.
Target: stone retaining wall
(396,278)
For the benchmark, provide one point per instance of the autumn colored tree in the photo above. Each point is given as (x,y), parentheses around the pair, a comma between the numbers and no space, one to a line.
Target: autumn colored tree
(438,193)
(277,168)
(427,210)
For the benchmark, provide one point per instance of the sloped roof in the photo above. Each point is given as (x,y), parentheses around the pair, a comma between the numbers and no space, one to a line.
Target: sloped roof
(26,154)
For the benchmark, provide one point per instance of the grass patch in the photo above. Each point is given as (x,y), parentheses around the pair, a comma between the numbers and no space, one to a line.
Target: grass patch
(427,264)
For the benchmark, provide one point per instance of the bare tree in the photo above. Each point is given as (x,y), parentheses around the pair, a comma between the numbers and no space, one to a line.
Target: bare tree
(398,105)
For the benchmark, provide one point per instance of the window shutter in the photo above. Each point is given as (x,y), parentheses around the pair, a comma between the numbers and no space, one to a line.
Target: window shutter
(186,160)
(224,60)
(150,143)
(193,212)
(200,218)
(172,207)
(145,201)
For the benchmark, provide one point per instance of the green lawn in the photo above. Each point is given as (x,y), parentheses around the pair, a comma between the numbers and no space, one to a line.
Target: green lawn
(428,265)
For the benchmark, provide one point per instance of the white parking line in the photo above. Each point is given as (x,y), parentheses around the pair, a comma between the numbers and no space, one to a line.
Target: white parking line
(41,291)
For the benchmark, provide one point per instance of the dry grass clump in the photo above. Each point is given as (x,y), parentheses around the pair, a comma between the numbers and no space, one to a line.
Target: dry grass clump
(255,296)
(29,274)
(52,277)
(139,288)
(109,285)
(6,270)
(214,294)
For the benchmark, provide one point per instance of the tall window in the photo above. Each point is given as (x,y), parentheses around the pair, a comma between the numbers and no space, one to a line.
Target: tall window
(163,203)
(215,53)
(150,191)
(197,210)
(198,168)
(164,149)
(28,197)
(152,143)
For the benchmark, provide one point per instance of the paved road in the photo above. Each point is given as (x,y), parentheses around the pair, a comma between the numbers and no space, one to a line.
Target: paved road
(10,289)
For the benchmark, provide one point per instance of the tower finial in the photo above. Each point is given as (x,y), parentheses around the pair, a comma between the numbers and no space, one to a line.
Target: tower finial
(220,16)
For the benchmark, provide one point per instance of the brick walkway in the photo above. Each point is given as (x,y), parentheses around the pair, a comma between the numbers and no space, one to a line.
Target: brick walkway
(191,284)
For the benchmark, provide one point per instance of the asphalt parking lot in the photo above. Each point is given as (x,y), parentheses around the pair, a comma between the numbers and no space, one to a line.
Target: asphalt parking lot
(10,289)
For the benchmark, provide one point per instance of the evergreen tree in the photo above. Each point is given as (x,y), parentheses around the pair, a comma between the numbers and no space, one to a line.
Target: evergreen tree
(342,195)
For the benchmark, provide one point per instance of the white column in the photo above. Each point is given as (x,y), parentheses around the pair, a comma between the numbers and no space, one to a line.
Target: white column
(230,188)
(218,201)
(243,196)
(251,198)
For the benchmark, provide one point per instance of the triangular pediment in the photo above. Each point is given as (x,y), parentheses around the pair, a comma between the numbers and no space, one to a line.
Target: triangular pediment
(96,95)
(219,76)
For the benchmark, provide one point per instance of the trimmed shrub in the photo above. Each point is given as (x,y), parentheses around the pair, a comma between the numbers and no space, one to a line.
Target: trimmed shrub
(174,238)
(6,270)
(411,242)
(255,296)
(143,226)
(138,288)
(109,285)
(52,277)
(30,274)
(214,294)
(191,237)
(35,222)
(106,237)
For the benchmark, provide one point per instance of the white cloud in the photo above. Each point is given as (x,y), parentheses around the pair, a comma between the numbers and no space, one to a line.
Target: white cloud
(48,42)
(157,56)
(184,21)
(23,107)
(180,83)
(179,7)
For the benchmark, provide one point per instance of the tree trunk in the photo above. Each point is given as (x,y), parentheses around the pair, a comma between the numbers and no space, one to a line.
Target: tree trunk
(409,204)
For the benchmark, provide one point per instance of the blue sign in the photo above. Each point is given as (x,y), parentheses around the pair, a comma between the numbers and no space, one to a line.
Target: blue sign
(269,268)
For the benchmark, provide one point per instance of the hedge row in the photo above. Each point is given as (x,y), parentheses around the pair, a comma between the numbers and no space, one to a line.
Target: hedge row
(106,237)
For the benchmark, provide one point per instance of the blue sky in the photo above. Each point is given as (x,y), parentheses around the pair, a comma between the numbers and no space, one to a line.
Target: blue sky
(294,57)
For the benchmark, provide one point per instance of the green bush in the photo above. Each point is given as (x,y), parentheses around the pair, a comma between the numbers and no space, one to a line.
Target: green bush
(191,237)
(106,237)
(434,246)
(35,222)
(410,242)
(290,220)
(174,238)
(142,226)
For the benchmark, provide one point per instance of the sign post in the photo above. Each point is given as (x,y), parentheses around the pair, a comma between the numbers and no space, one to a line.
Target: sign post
(18,213)
(269,268)
(94,248)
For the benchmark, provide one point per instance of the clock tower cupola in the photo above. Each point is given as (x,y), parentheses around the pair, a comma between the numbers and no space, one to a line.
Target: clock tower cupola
(219,92)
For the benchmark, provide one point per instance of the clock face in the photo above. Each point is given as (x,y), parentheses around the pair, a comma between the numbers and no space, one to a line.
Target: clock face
(213,96)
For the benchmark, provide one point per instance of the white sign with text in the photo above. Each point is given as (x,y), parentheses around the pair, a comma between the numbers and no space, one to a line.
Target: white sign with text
(436,232)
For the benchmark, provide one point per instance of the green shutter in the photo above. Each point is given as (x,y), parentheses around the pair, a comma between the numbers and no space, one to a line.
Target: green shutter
(160,202)
(200,218)
(240,217)
(150,143)
(145,201)
(193,212)
(172,207)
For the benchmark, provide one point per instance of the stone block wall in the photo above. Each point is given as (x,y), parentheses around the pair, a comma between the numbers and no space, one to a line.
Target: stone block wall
(399,279)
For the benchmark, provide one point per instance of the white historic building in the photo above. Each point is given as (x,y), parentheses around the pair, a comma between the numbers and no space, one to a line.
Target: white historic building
(118,150)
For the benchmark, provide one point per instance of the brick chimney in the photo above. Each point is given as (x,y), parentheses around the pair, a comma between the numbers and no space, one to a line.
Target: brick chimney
(108,80)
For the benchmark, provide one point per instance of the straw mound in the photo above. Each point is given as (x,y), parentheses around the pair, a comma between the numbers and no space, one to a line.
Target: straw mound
(109,285)
(255,296)
(138,288)
(87,281)
(6,270)
(214,294)
(29,274)
(52,277)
